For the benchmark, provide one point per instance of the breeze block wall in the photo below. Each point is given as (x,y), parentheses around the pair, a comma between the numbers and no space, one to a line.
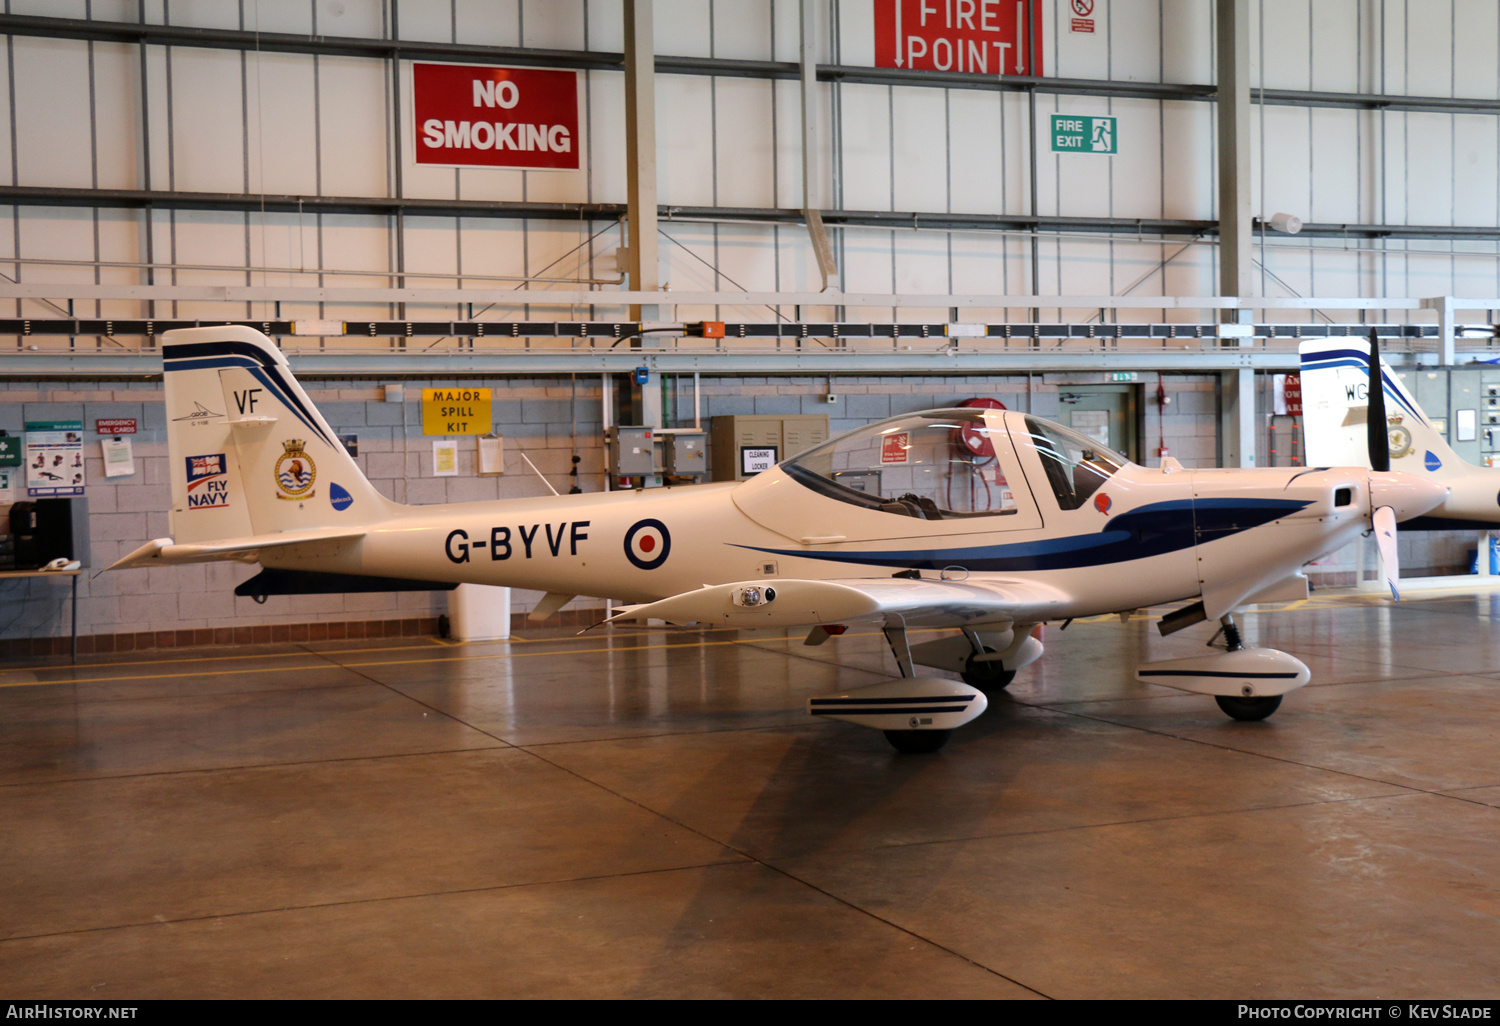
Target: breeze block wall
(546,418)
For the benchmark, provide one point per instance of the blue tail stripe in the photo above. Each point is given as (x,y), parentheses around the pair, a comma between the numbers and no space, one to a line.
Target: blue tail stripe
(268,374)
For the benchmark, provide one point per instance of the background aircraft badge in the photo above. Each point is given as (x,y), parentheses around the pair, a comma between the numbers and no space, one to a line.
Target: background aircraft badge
(847,532)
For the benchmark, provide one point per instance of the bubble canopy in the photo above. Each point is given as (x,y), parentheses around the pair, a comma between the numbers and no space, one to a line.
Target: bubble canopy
(944,464)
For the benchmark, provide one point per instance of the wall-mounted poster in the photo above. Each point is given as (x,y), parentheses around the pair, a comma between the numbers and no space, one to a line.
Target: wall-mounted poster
(54,458)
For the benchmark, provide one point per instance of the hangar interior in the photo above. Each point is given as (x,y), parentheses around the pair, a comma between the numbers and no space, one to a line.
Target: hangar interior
(765,209)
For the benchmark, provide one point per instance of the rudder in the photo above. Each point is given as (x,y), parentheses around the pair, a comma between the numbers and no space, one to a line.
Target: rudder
(249,452)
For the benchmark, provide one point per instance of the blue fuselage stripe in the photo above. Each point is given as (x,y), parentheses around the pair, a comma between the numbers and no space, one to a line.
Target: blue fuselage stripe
(1360,361)
(1151,530)
(269,376)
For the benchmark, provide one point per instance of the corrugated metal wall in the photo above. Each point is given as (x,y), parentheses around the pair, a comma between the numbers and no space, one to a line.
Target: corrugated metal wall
(114,115)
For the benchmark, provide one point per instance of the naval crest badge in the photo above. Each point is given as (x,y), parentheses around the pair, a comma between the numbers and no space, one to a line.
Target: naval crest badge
(1398,438)
(295,471)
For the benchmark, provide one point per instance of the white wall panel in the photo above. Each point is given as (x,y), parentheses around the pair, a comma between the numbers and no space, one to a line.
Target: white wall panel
(606,26)
(52,112)
(101,10)
(744,143)
(785,17)
(1389,42)
(1083,179)
(747,257)
(867,260)
(278,16)
(352,126)
(554,186)
(495,247)
(682,27)
(920,137)
(283,144)
(605,135)
(1476,48)
(1334,46)
(1088,54)
(1334,162)
(207,121)
(977,160)
(979,265)
(1287,167)
(1134,36)
(1281,33)
(49,8)
(432,248)
(488,22)
(364,19)
(1047,196)
(1429,31)
(430,22)
(203,14)
(742,28)
(1136,170)
(1476,272)
(117,115)
(786,181)
(555,24)
(1187,41)
(1430,147)
(1475,178)
(867,146)
(856,21)
(685,140)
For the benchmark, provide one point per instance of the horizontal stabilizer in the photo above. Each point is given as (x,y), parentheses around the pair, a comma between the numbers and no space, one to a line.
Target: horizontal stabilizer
(165,552)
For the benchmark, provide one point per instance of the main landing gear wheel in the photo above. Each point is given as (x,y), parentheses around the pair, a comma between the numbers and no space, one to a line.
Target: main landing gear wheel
(987,676)
(1248,709)
(917,742)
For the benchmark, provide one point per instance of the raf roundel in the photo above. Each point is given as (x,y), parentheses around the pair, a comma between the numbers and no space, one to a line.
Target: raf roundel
(647,544)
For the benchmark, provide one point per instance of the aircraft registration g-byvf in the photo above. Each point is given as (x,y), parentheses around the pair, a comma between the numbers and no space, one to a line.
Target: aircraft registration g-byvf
(984,521)
(1335,418)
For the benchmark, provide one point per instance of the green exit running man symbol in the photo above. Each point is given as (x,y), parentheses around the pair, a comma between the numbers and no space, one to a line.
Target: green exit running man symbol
(1104,139)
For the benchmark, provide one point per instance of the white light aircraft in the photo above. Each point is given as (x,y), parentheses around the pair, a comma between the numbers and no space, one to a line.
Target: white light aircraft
(987,522)
(1336,430)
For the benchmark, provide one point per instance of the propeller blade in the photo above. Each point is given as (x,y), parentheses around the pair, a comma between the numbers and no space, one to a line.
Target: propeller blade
(1377,430)
(1384,522)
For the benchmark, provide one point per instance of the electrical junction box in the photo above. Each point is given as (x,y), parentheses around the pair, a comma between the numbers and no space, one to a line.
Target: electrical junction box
(685,453)
(632,451)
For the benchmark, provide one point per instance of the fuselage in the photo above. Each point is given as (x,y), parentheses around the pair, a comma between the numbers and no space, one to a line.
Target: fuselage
(1130,538)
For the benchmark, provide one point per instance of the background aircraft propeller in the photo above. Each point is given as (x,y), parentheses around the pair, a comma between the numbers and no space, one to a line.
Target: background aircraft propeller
(1377,434)
(1377,429)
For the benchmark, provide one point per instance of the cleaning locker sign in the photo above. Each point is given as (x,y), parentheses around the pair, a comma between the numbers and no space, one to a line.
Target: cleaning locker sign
(483,116)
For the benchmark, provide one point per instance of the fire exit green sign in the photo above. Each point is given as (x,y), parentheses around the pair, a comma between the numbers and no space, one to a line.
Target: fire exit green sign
(1075,133)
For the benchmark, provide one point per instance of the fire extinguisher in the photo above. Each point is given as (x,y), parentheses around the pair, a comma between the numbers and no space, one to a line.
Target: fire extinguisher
(972,445)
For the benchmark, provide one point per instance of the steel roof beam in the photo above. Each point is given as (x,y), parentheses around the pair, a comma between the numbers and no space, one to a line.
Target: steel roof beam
(387,49)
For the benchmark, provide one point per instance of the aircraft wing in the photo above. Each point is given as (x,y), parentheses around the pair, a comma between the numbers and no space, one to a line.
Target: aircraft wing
(165,552)
(889,601)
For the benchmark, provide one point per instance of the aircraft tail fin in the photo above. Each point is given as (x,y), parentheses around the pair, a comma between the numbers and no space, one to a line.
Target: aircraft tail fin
(249,453)
(1335,405)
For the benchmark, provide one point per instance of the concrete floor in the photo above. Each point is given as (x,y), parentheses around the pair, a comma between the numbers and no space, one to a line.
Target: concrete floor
(649,813)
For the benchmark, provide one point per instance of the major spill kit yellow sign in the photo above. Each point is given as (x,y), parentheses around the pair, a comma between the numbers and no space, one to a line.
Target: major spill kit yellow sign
(456,411)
